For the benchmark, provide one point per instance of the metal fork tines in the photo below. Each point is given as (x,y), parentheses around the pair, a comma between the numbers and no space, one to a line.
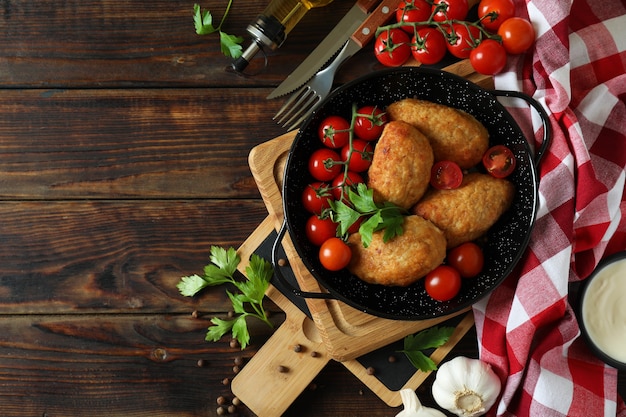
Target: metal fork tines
(304,101)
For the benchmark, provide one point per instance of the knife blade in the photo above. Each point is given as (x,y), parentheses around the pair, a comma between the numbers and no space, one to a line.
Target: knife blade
(331,44)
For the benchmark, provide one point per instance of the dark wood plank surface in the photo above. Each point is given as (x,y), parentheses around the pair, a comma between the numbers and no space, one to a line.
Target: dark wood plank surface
(124,140)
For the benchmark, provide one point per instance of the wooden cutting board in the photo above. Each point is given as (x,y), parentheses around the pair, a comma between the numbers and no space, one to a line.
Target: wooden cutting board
(334,330)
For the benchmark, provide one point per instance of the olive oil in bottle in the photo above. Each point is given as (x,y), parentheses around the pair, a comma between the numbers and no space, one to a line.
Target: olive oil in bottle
(270,29)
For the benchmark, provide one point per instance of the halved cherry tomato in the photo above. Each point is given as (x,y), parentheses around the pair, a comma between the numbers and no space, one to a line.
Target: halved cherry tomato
(392,47)
(359,156)
(342,182)
(324,164)
(467,258)
(450,10)
(412,11)
(500,11)
(443,283)
(319,230)
(446,175)
(334,131)
(488,58)
(371,126)
(335,254)
(316,197)
(429,46)
(462,39)
(517,34)
(499,161)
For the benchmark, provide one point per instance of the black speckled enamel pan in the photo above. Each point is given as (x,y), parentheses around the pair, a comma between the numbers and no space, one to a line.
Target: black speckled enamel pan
(505,242)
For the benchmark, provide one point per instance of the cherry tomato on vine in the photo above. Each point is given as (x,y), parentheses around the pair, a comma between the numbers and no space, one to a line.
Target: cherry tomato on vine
(319,230)
(316,197)
(450,10)
(359,157)
(335,254)
(392,47)
(324,164)
(334,131)
(369,127)
(488,58)
(502,9)
(518,35)
(467,258)
(443,283)
(412,12)
(429,46)
(499,161)
(462,39)
(344,182)
(446,175)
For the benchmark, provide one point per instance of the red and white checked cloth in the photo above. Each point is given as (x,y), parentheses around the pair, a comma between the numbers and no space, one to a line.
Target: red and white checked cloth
(526,327)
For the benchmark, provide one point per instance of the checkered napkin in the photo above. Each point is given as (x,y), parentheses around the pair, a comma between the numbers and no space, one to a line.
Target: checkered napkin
(526,328)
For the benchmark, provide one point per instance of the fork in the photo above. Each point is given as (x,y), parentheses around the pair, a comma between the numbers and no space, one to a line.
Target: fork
(304,101)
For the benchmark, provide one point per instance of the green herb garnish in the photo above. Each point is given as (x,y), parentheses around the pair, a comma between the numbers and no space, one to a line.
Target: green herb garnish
(426,339)
(222,270)
(380,216)
(203,22)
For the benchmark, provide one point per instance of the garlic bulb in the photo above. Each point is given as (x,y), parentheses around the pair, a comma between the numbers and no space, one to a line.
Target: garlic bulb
(466,387)
(413,407)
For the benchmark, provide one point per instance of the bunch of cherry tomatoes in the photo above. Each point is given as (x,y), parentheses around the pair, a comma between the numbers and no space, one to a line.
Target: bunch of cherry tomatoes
(430,29)
(342,162)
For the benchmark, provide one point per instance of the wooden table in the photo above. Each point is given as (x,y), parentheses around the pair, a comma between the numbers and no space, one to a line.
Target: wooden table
(124,142)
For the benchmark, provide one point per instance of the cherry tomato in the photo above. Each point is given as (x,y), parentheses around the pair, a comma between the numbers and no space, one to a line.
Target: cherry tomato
(359,157)
(462,40)
(316,197)
(334,131)
(501,9)
(324,164)
(429,46)
(446,175)
(343,182)
(392,47)
(467,258)
(320,230)
(517,34)
(443,283)
(499,161)
(335,254)
(369,127)
(450,10)
(412,11)
(488,58)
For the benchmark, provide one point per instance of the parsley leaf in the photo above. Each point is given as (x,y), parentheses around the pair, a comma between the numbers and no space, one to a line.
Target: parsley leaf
(430,338)
(248,302)
(230,45)
(380,216)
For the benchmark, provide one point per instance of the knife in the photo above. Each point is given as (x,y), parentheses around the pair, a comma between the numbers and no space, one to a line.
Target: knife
(329,47)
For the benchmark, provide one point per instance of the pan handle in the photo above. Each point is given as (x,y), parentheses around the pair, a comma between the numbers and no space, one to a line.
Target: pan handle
(545,120)
(279,275)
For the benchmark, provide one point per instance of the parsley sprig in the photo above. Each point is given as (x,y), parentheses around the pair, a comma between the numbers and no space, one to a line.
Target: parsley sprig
(203,22)
(248,302)
(379,216)
(430,338)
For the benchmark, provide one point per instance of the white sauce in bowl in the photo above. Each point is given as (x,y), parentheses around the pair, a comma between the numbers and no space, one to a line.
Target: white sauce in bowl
(604,310)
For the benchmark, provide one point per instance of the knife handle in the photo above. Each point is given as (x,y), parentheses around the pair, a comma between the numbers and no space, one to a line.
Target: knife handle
(367,5)
(378,17)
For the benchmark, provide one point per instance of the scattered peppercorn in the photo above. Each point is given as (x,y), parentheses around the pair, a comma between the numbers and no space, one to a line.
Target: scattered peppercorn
(194,314)
(282,262)
(236,369)
(232,409)
(234,343)
(221,400)
(392,359)
(238,360)
(282,369)
(236,401)
(221,411)
(201,363)
(225,381)
(371,371)
(297,348)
